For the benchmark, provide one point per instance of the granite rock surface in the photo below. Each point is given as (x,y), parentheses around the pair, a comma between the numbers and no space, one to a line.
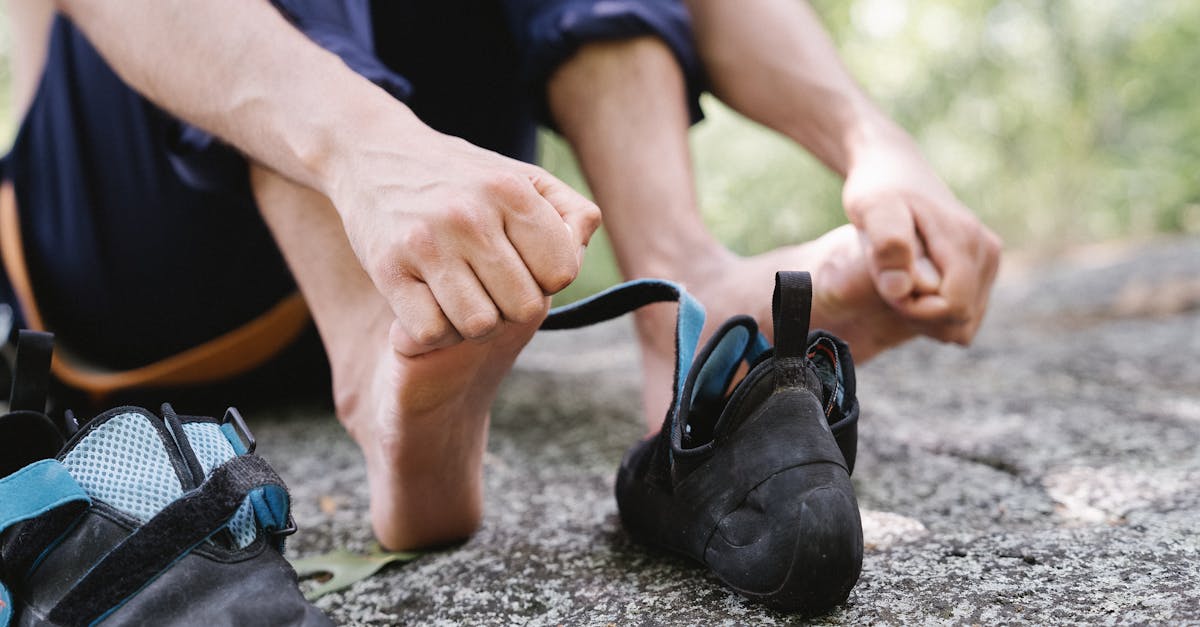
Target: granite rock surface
(1048,474)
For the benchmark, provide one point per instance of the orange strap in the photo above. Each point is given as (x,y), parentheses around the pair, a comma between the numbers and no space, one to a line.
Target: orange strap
(228,355)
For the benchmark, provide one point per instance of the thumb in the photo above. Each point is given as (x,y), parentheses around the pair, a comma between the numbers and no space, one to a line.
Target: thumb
(581,215)
(893,247)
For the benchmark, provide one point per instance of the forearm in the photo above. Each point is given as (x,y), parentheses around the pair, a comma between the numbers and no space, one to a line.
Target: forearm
(238,69)
(773,61)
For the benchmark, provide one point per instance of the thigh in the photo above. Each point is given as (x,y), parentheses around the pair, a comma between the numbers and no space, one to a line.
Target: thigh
(128,262)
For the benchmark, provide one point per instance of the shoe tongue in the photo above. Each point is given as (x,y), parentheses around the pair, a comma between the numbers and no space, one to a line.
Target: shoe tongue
(138,463)
(127,459)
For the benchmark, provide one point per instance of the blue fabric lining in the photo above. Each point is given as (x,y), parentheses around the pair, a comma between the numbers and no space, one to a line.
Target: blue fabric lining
(35,490)
(626,297)
(761,345)
(270,506)
(231,434)
(716,371)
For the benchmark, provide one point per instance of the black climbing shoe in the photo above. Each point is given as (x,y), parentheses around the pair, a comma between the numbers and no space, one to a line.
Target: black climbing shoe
(753,483)
(138,519)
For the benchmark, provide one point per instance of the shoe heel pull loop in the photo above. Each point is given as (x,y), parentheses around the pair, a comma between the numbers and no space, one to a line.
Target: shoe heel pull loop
(791,310)
(31,376)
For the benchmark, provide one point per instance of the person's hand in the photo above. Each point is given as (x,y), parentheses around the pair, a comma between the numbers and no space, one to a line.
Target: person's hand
(930,258)
(461,241)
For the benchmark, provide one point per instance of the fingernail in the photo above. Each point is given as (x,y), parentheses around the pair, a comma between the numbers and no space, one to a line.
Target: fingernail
(928,274)
(894,283)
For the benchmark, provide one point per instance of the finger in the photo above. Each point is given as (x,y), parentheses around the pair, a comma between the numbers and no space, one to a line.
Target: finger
(546,244)
(420,325)
(961,248)
(951,332)
(581,214)
(464,301)
(890,239)
(987,258)
(508,282)
(927,277)
(925,308)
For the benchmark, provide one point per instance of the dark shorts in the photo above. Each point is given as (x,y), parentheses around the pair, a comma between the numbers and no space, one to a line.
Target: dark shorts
(140,236)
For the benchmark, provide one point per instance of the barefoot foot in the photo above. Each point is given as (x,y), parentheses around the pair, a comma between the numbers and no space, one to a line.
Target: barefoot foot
(845,303)
(422,424)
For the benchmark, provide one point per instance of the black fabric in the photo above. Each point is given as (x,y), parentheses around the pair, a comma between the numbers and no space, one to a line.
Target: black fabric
(462,63)
(31,377)
(619,304)
(38,437)
(157,544)
(131,263)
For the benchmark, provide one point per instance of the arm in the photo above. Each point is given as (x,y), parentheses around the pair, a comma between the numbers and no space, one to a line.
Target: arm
(29,28)
(425,213)
(929,257)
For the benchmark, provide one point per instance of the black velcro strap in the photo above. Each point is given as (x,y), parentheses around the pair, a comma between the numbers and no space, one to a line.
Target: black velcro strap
(31,377)
(154,546)
(790,309)
(610,304)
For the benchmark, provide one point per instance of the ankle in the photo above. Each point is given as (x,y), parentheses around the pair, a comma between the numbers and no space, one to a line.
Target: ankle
(691,263)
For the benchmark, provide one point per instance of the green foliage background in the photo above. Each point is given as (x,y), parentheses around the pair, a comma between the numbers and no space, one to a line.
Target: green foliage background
(1060,122)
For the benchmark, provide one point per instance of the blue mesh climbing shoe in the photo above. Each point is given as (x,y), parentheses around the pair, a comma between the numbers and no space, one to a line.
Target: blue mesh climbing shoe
(137,518)
(752,482)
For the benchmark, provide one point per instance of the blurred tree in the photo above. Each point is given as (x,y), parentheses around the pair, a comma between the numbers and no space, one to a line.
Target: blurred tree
(1059,121)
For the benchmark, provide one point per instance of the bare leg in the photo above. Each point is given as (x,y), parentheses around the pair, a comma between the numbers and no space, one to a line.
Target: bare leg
(622,107)
(421,422)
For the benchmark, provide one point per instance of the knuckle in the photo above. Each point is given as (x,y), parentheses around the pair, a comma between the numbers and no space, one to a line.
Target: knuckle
(531,310)
(891,250)
(505,185)
(479,325)
(590,216)
(559,277)
(430,332)
(419,240)
(461,218)
(384,270)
